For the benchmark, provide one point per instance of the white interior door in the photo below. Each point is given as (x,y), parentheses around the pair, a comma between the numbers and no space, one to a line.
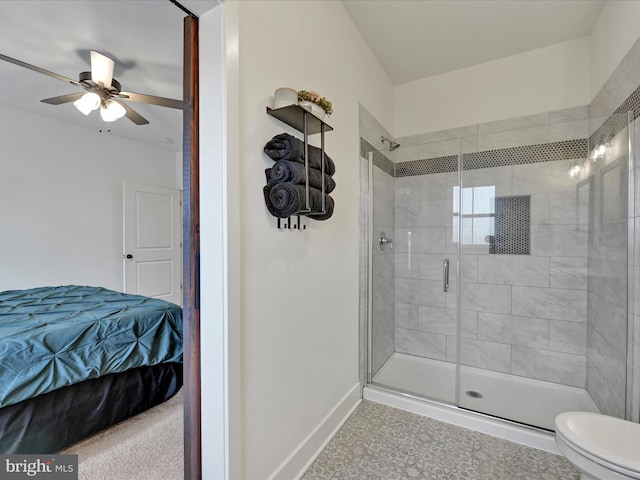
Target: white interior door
(152,255)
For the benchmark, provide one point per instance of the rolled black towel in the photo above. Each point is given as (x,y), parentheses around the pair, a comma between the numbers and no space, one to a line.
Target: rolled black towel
(288,147)
(293,172)
(286,199)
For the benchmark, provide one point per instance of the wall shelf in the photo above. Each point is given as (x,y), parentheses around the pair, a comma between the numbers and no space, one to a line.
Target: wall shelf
(293,115)
(308,124)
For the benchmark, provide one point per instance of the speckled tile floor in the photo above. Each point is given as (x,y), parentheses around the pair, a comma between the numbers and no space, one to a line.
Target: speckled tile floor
(383,443)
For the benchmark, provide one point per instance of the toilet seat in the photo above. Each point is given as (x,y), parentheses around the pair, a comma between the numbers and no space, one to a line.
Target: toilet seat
(590,435)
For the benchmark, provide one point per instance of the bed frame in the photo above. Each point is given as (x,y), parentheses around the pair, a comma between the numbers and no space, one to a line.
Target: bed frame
(56,420)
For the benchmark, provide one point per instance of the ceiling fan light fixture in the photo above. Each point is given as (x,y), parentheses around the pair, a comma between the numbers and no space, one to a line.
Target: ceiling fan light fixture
(100,87)
(112,111)
(88,103)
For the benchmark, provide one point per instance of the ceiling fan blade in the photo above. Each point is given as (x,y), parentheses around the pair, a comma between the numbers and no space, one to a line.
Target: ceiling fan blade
(39,70)
(152,100)
(132,115)
(72,97)
(101,69)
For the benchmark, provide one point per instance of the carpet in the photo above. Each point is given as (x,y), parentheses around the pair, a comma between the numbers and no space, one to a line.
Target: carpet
(148,446)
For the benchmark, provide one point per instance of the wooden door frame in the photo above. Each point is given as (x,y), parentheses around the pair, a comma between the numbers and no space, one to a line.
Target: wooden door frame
(191,254)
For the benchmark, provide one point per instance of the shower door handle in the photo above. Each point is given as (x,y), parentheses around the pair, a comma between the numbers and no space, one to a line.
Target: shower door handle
(445,275)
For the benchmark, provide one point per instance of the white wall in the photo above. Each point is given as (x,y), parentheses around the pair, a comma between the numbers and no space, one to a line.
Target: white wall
(615,31)
(61,200)
(299,290)
(546,79)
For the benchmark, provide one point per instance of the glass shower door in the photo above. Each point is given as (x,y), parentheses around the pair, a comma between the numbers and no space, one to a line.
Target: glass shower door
(534,227)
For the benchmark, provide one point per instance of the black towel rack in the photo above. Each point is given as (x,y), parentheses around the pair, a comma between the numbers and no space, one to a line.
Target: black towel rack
(308,124)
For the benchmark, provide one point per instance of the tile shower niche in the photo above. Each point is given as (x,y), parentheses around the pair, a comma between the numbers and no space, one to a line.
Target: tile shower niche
(511,226)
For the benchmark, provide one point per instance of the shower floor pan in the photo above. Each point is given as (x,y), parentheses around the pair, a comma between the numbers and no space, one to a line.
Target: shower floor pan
(520,399)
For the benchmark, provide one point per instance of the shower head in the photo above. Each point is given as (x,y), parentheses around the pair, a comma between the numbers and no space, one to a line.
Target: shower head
(392,144)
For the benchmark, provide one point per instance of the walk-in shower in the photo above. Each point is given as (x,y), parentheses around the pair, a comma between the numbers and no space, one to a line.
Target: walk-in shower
(496,266)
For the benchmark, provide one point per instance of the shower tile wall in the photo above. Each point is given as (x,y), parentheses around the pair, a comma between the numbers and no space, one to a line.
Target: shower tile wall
(609,327)
(521,314)
(423,321)
(607,333)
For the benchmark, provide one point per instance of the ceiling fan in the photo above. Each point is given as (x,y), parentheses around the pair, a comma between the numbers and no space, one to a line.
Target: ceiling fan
(102,91)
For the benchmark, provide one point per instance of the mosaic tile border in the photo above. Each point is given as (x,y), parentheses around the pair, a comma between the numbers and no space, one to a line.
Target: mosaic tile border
(427,166)
(617,121)
(631,104)
(379,159)
(608,130)
(543,152)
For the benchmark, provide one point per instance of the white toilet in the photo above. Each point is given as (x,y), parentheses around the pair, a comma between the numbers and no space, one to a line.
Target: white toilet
(600,446)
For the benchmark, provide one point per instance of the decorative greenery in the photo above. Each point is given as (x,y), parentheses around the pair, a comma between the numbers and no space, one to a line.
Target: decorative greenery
(313,96)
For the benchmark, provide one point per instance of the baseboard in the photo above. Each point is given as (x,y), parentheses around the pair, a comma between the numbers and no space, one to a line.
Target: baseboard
(302,457)
(481,423)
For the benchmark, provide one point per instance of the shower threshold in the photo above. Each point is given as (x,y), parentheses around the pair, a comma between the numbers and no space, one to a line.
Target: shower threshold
(511,397)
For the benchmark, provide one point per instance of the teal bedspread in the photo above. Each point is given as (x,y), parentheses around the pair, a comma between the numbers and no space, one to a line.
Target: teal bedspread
(51,337)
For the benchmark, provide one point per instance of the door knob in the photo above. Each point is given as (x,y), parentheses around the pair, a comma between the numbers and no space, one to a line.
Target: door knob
(127,256)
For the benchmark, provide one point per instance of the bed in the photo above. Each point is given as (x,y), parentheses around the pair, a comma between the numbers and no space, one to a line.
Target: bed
(75,360)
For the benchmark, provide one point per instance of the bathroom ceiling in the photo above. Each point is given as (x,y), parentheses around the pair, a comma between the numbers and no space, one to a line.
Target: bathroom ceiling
(144,38)
(413,39)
